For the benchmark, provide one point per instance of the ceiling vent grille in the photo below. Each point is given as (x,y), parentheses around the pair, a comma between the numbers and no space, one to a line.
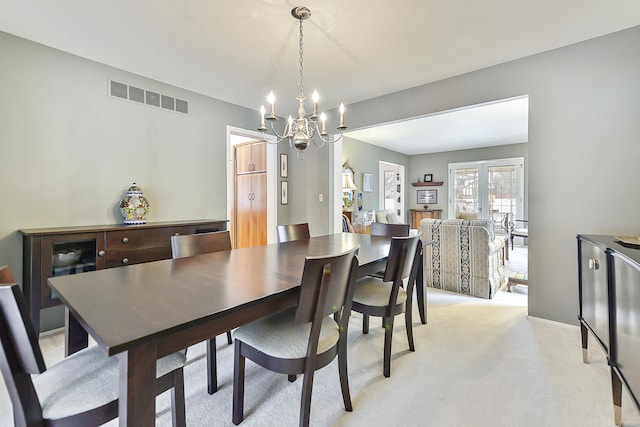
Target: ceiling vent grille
(148,97)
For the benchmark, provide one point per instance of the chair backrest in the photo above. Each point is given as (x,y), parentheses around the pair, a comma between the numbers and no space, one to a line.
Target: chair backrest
(347,227)
(290,232)
(389,230)
(5,274)
(402,254)
(187,245)
(326,281)
(20,355)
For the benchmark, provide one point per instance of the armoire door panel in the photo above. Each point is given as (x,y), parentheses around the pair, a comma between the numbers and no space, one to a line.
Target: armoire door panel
(244,216)
(259,209)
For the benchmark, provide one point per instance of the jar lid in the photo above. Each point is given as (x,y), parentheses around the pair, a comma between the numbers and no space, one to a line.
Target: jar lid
(134,189)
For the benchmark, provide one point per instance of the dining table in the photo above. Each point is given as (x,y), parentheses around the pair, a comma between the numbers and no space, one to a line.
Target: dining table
(140,313)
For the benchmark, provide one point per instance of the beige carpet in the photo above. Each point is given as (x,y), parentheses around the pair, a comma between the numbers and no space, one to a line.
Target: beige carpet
(477,363)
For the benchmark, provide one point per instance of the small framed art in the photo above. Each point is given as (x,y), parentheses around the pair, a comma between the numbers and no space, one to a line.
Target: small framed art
(428,177)
(427,196)
(284,192)
(284,165)
(367,182)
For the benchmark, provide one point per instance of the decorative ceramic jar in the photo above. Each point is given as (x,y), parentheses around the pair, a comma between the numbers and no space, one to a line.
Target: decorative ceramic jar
(134,206)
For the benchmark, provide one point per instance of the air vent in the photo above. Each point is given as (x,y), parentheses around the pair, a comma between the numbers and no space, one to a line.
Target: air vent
(143,96)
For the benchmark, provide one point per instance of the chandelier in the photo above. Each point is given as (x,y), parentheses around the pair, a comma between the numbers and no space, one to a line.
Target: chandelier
(304,129)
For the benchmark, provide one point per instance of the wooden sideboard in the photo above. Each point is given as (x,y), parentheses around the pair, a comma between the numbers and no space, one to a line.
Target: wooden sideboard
(50,252)
(609,308)
(419,214)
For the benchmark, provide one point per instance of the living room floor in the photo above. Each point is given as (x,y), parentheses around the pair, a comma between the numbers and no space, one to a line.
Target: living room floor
(518,262)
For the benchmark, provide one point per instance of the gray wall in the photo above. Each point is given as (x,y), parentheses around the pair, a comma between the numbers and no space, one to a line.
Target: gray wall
(437,164)
(584,104)
(69,151)
(363,157)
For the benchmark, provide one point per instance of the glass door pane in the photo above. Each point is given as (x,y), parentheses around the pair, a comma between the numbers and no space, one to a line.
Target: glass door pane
(389,189)
(466,195)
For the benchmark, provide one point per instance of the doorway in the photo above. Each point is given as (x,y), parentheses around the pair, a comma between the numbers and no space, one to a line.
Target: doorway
(391,188)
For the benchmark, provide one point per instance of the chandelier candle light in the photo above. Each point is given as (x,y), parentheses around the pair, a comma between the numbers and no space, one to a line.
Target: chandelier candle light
(303,130)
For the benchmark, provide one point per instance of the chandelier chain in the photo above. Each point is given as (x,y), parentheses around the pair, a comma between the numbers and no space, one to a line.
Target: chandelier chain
(300,84)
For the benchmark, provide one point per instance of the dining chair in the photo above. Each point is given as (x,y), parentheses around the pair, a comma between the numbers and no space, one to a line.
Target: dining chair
(305,338)
(82,389)
(389,230)
(347,227)
(187,245)
(5,274)
(287,233)
(386,297)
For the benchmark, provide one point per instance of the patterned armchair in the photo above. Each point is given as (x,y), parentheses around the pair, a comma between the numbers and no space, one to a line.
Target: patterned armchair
(464,256)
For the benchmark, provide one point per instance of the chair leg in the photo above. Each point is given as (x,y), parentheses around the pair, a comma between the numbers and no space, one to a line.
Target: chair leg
(229,340)
(238,385)
(212,369)
(388,335)
(177,399)
(365,324)
(344,377)
(305,402)
(409,325)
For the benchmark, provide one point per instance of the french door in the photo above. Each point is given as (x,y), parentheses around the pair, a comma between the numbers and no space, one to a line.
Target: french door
(487,189)
(391,188)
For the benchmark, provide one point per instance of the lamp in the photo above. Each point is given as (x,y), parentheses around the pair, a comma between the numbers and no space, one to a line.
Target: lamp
(347,187)
(303,130)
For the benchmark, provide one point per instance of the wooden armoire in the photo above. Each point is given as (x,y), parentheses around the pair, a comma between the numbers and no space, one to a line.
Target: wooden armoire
(250,194)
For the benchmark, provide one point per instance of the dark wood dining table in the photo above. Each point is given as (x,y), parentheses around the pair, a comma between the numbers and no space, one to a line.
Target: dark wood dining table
(142,312)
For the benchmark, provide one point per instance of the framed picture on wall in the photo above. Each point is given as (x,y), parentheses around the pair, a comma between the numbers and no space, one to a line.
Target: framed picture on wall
(367,182)
(284,165)
(428,177)
(284,192)
(427,196)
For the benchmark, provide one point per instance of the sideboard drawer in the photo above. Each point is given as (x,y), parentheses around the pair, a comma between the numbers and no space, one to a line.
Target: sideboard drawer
(143,238)
(122,258)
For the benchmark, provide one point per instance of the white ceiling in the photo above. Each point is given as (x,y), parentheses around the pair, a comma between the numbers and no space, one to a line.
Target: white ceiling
(354,50)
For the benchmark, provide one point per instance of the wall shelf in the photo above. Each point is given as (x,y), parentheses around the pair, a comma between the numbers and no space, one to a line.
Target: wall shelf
(427,184)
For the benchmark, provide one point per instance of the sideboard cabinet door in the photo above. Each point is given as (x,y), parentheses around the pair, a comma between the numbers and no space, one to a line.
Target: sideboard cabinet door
(593,292)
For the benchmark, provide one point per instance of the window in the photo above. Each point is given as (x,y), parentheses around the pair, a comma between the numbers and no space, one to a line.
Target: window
(487,189)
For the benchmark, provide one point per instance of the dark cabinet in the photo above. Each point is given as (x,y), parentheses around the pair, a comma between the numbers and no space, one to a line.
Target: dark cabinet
(593,293)
(609,293)
(51,252)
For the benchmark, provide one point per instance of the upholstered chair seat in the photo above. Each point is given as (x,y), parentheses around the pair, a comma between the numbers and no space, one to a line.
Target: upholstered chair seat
(279,336)
(87,380)
(371,291)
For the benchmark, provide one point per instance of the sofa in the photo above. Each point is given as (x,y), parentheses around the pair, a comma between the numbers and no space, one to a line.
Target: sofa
(465,256)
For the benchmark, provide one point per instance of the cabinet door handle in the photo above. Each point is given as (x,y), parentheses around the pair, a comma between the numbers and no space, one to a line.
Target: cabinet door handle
(125,239)
(249,196)
(101,253)
(594,264)
(125,260)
